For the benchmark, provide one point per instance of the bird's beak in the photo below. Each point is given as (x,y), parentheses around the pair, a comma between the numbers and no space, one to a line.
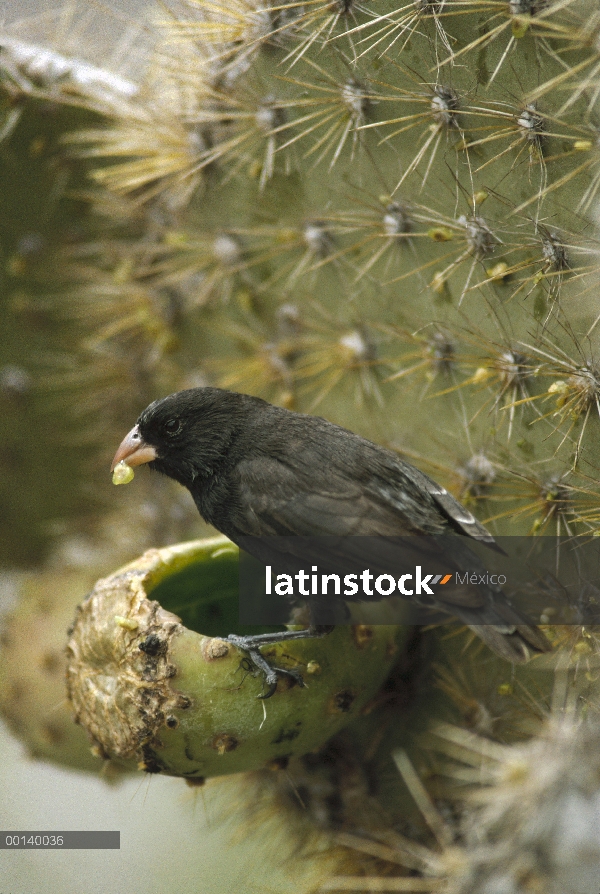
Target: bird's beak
(133,450)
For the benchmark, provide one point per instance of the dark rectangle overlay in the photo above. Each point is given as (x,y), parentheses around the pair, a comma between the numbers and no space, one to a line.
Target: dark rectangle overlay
(60,841)
(419,579)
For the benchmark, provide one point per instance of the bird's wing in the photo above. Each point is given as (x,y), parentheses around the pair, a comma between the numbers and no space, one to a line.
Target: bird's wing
(311,499)
(380,506)
(463,521)
(277,501)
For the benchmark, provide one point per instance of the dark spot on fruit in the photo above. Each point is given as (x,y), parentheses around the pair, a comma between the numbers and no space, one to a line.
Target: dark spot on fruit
(223,742)
(343,701)
(152,645)
(172,722)
(53,734)
(52,662)
(288,735)
(150,763)
(195,781)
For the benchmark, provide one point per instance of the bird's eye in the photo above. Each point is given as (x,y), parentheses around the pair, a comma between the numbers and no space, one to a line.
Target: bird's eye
(173,426)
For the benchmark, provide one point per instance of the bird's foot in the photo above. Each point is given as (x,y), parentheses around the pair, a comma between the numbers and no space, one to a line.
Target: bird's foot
(250,646)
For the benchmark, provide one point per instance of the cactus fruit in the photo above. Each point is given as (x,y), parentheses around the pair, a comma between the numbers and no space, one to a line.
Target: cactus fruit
(182,701)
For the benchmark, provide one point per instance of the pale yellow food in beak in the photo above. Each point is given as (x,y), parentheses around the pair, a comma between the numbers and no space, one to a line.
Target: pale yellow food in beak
(122,473)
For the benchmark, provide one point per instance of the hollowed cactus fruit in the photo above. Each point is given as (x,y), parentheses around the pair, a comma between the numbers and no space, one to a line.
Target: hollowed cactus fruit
(152,682)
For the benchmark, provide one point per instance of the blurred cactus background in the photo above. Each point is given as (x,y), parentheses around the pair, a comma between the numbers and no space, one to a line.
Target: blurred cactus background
(383,212)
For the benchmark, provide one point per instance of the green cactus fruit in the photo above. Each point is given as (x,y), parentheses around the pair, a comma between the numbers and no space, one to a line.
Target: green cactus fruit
(181,701)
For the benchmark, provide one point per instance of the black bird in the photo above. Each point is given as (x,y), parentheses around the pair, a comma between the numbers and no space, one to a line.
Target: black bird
(256,470)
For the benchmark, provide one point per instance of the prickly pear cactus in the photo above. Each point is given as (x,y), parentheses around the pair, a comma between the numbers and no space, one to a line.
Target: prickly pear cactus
(382,212)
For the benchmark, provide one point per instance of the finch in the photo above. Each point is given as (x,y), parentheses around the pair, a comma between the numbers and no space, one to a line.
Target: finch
(256,470)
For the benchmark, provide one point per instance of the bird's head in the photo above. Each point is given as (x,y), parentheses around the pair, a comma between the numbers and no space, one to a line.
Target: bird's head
(185,435)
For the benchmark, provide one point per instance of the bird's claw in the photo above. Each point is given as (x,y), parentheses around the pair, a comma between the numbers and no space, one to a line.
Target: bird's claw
(270,672)
(271,680)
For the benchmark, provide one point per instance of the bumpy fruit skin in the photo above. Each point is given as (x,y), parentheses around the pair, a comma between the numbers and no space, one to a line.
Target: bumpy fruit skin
(32,670)
(149,690)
